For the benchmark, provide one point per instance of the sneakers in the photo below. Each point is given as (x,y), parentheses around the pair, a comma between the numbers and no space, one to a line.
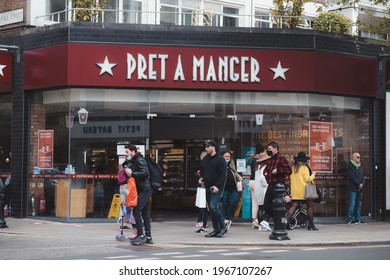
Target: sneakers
(350,222)
(199,224)
(265,224)
(149,240)
(201,230)
(261,228)
(228,224)
(124,227)
(139,240)
(360,222)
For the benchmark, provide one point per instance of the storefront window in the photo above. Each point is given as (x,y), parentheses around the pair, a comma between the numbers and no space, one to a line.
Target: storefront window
(172,126)
(5,134)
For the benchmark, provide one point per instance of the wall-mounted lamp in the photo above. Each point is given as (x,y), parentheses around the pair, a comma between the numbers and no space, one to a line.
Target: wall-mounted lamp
(150,116)
(69,119)
(83,116)
(233,117)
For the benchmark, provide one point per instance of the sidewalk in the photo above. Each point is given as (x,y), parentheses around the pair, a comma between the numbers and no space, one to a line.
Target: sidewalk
(182,232)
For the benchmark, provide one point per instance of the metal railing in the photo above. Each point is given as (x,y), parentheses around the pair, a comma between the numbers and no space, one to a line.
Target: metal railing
(197,18)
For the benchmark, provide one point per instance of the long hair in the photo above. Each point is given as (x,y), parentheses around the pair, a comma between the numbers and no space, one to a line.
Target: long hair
(297,165)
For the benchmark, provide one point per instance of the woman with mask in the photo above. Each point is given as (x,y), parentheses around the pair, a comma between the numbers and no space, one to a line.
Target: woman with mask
(230,196)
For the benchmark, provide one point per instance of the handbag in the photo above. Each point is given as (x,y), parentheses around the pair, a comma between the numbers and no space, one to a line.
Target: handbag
(319,192)
(239,186)
(122,177)
(310,191)
(131,199)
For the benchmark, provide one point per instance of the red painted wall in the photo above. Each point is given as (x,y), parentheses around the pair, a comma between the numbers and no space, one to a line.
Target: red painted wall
(5,71)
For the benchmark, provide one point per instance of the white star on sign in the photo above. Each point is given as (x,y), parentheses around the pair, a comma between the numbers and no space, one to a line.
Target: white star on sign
(279,71)
(1,69)
(106,66)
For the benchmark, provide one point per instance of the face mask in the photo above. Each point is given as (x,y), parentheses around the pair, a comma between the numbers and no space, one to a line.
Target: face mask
(129,157)
(227,160)
(269,153)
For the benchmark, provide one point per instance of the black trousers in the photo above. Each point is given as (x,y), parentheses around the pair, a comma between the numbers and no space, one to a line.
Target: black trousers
(141,213)
(268,206)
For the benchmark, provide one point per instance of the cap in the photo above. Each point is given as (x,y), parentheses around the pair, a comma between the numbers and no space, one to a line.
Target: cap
(211,143)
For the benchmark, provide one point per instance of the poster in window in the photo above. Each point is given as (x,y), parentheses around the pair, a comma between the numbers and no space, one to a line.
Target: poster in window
(321,146)
(45,148)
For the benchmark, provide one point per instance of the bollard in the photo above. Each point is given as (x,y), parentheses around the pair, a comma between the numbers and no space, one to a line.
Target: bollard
(3,223)
(279,232)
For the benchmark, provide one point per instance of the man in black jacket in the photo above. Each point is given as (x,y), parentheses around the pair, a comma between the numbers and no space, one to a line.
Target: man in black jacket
(140,172)
(355,189)
(213,175)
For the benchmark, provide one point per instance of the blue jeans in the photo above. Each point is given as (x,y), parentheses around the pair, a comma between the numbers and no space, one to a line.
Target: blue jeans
(229,204)
(213,200)
(354,205)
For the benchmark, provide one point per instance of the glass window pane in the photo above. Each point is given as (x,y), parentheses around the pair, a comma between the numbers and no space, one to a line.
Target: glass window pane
(135,11)
(54,6)
(170,2)
(168,15)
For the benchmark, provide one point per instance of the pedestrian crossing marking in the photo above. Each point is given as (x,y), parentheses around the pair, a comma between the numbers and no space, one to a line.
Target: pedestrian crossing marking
(166,254)
(189,256)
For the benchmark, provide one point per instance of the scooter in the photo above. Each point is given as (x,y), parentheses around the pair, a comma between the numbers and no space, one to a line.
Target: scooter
(121,236)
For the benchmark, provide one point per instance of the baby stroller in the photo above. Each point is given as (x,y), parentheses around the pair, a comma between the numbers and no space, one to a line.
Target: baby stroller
(299,217)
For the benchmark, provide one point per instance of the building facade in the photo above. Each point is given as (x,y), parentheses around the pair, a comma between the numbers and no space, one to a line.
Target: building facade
(80,90)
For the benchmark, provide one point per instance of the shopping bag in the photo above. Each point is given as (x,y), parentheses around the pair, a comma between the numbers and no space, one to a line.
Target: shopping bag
(200,200)
(131,199)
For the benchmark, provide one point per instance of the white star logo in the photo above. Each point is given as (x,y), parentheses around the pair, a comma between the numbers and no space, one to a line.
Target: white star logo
(1,69)
(106,66)
(279,71)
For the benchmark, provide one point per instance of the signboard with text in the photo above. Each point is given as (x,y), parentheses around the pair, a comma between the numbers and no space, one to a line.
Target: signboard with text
(121,66)
(321,146)
(45,148)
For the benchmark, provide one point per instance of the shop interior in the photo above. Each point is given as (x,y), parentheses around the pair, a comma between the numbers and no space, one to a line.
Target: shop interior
(172,126)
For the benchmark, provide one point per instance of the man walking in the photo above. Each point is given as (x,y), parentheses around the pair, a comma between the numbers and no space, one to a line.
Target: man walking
(276,171)
(213,175)
(355,189)
(140,172)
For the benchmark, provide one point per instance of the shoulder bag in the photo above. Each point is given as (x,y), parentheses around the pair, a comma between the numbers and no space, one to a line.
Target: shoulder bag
(310,191)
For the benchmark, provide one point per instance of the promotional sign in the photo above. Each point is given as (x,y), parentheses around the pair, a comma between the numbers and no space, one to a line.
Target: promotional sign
(45,148)
(321,146)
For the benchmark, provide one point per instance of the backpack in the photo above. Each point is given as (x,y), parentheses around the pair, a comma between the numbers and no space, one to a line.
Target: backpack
(155,173)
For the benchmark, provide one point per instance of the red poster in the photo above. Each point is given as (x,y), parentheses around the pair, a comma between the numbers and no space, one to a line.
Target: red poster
(321,146)
(45,148)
